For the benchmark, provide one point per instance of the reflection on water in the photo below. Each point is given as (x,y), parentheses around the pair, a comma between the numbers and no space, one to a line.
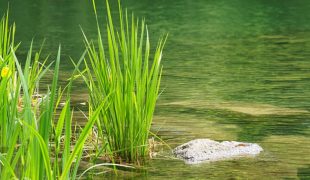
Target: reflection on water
(233,70)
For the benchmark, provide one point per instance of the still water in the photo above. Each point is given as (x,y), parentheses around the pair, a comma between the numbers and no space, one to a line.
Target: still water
(233,70)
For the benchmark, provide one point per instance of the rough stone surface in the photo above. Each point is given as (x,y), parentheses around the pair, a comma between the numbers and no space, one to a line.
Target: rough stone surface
(206,150)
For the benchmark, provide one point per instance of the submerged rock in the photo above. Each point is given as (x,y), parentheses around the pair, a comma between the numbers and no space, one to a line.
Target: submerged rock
(206,150)
(253,109)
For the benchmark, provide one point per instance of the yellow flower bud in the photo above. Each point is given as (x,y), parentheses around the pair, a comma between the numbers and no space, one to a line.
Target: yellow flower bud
(5,72)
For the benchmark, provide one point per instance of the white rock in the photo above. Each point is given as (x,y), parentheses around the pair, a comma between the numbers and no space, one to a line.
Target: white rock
(206,150)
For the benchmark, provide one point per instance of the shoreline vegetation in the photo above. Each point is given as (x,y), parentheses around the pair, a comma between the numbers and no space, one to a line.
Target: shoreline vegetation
(123,84)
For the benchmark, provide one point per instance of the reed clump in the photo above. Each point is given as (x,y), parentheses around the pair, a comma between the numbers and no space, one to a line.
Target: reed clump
(122,66)
(32,146)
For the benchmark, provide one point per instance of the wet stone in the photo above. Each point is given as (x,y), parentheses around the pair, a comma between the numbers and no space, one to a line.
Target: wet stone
(207,150)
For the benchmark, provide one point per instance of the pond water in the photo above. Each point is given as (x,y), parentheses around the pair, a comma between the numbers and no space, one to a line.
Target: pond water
(233,70)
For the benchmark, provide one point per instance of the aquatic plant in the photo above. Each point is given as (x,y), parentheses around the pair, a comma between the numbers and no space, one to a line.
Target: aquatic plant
(125,70)
(7,33)
(34,143)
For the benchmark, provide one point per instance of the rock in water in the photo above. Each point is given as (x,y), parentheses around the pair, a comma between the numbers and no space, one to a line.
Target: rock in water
(206,150)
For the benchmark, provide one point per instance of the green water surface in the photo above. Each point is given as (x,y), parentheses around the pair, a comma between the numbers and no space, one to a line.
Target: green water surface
(233,70)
